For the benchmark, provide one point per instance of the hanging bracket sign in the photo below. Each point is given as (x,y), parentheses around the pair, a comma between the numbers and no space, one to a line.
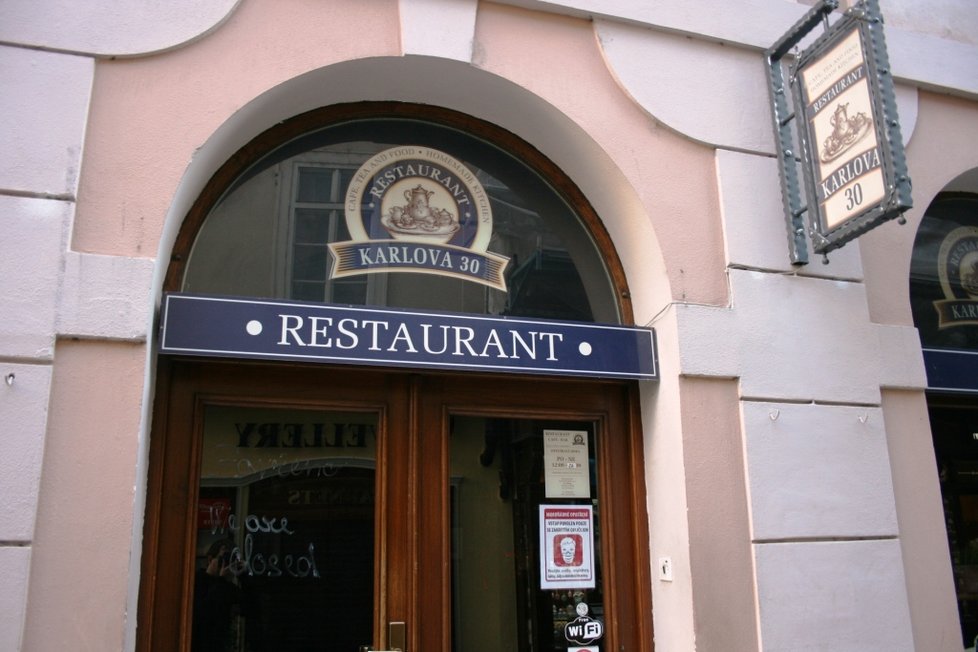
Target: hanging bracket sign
(314,332)
(849,141)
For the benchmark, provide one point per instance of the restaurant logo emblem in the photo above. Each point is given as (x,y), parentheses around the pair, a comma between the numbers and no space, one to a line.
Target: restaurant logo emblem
(849,175)
(416,209)
(957,267)
(846,132)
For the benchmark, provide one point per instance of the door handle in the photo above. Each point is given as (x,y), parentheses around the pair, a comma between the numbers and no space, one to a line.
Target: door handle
(396,639)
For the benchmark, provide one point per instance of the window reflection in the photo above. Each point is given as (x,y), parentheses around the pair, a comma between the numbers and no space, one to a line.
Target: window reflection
(501,496)
(284,531)
(267,236)
(944,273)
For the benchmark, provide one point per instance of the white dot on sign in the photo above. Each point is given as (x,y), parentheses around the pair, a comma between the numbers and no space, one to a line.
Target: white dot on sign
(584,348)
(254,327)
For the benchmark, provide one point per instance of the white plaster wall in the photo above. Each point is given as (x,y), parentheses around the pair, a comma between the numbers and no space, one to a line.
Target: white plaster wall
(30,264)
(14,569)
(104,297)
(131,28)
(44,104)
(451,39)
(718,92)
(794,339)
(817,471)
(955,20)
(928,41)
(832,597)
(754,227)
(24,393)
(116,28)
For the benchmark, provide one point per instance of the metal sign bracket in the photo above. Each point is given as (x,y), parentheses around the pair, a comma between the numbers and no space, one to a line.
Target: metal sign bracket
(854,167)
(783,118)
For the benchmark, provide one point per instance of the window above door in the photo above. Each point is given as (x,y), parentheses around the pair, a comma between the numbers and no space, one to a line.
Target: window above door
(275,218)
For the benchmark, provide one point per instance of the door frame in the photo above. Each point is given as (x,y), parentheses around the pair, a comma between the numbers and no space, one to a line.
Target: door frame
(614,407)
(412,579)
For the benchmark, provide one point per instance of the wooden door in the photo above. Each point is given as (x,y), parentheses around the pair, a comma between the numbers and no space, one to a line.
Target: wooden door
(323,508)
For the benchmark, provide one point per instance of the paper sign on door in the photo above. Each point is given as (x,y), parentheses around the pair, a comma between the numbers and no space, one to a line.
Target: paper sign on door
(566,547)
(565,458)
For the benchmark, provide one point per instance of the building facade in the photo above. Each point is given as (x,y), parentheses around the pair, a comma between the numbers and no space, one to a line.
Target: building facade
(796,476)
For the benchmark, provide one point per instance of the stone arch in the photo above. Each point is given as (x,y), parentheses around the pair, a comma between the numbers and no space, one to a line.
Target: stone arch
(470,91)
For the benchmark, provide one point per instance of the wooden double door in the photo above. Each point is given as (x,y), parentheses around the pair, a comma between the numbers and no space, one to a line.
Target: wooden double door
(296,508)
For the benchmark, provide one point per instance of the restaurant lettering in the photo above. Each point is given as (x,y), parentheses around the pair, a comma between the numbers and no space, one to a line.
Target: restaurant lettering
(843,83)
(855,168)
(295,330)
(404,338)
(419,170)
(404,255)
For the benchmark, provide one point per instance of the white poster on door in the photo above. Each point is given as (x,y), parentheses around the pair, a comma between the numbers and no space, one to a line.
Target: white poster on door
(567,547)
(565,458)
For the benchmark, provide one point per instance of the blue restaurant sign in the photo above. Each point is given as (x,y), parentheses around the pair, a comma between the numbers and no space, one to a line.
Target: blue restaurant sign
(291,330)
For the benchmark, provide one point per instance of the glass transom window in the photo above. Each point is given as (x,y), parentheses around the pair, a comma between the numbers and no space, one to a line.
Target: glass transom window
(402,213)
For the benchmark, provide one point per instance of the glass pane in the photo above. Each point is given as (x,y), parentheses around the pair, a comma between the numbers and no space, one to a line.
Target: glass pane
(956,449)
(309,263)
(349,292)
(315,185)
(312,226)
(526,540)
(285,531)
(944,273)
(247,243)
(308,291)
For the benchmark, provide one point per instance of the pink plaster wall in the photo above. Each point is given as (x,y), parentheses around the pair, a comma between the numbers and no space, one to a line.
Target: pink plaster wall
(674,177)
(943,146)
(920,515)
(149,115)
(721,563)
(81,551)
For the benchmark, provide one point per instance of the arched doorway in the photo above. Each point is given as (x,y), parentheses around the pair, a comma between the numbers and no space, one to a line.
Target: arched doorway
(327,506)
(944,299)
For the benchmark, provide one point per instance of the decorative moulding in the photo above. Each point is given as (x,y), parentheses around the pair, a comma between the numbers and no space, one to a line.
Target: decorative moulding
(118,28)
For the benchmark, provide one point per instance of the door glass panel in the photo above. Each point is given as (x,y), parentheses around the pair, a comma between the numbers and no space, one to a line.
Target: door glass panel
(525,533)
(285,530)
(956,450)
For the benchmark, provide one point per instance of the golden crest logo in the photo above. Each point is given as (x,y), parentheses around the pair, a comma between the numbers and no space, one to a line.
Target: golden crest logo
(958,270)
(416,209)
